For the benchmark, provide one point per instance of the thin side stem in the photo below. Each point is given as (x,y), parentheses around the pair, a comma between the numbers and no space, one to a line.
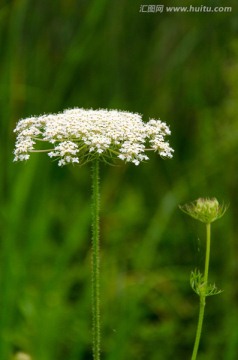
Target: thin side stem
(95,260)
(199,327)
(207,259)
(203,293)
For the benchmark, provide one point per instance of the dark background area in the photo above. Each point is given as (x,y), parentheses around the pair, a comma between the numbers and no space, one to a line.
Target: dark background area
(180,67)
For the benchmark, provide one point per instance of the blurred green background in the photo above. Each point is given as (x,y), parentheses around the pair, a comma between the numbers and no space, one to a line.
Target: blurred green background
(182,68)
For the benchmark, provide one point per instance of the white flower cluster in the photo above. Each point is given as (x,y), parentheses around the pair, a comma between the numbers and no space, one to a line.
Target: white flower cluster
(79,135)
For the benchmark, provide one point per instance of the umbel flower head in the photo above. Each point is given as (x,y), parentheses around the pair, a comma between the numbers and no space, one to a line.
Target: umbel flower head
(204,210)
(79,135)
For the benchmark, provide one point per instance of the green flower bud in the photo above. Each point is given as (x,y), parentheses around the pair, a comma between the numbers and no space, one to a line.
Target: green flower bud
(204,210)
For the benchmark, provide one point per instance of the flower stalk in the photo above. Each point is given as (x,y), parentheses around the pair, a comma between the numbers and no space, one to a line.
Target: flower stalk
(95,261)
(203,293)
(78,136)
(206,211)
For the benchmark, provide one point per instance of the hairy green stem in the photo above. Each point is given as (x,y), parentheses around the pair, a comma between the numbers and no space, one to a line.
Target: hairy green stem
(95,260)
(203,293)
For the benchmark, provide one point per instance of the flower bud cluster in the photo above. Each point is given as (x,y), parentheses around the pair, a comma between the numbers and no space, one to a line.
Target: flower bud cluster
(79,135)
(204,210)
